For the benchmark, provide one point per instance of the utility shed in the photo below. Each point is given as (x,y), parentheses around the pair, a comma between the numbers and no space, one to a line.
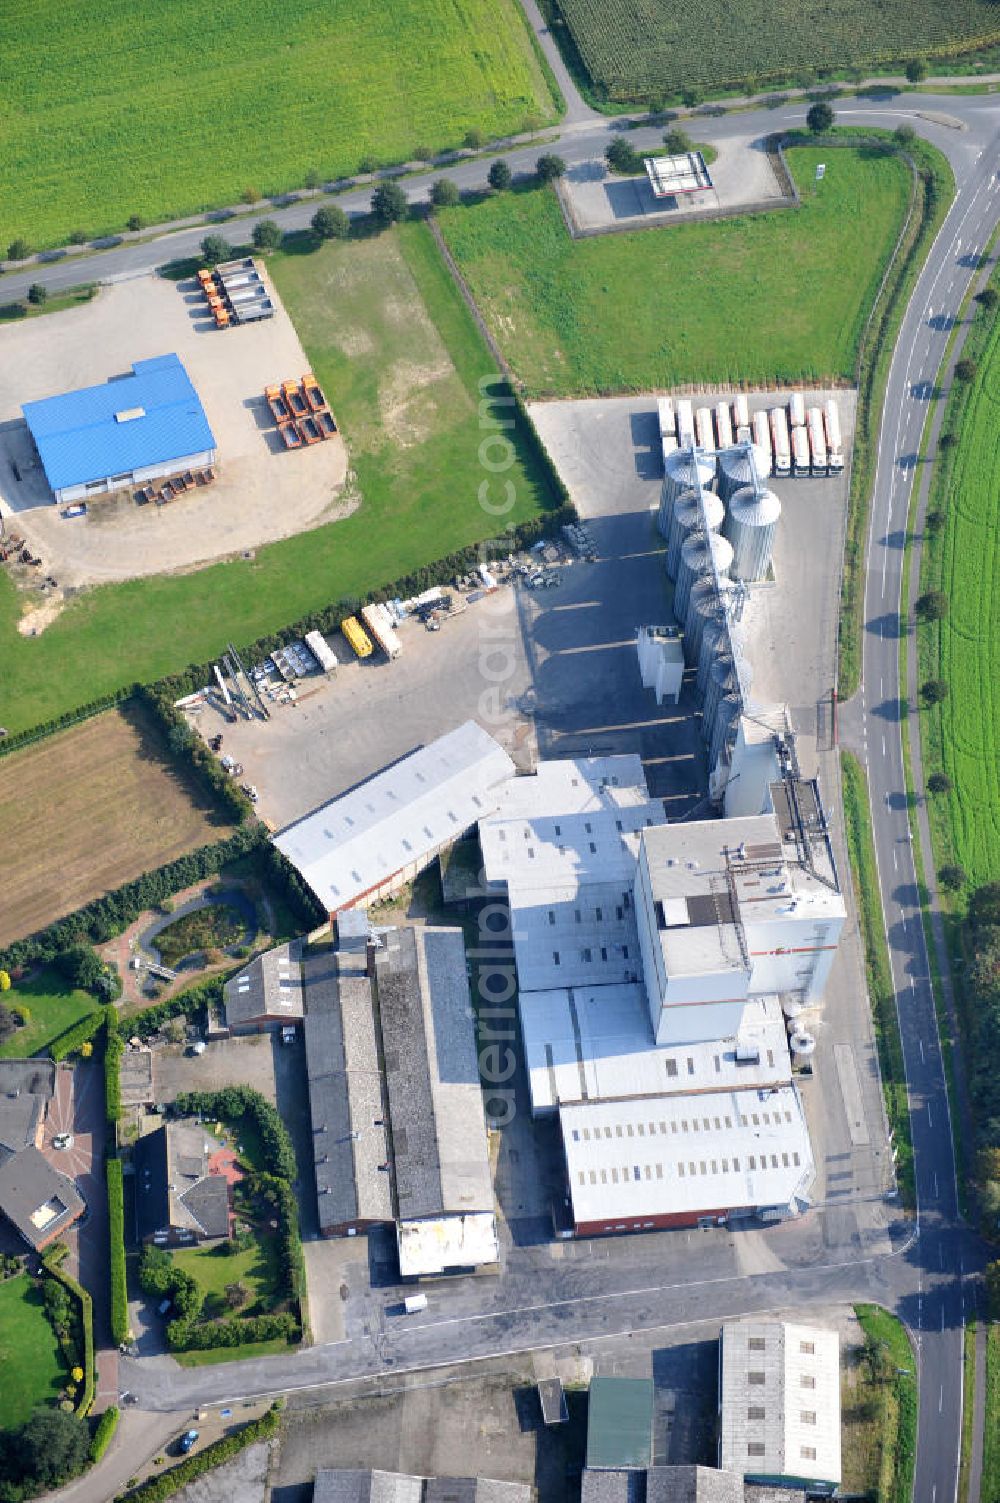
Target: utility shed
(444,1188)
(350,1147)
(142,427)
(779,1404)
(620,1423)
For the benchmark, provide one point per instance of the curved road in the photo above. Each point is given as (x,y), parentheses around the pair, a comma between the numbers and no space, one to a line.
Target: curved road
(923,1280)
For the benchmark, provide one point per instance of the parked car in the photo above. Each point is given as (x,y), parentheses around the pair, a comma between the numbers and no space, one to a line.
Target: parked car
(187,1440)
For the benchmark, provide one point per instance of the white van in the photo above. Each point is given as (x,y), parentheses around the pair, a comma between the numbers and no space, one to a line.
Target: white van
(414,1302)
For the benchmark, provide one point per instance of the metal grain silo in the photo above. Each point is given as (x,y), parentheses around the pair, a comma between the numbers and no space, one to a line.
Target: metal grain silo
(690,511)
(722,729)
(725,677)
(697,552)
(736,469)
(750,526)
(686,470)
(706,605)
(714,640)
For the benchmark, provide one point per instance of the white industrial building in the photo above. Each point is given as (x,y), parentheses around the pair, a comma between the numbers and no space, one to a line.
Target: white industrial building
(736,908)
(649,1163)
(779,1404)
(371,841)
(661,661)
(563,845)
(596,1044)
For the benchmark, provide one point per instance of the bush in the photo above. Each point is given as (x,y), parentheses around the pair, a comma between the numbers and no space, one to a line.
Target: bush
(114,1048)
(190,1003)
(932,606)
(8,1023)
(819,117)
(116,1227)
(988,298)
(106,1427)
(389,203)
(267,235)
(38,294)
(549,167)
(444,193)
(916,70)
(85,1305)
(135,223)
(965,369)
(81,966)
(677,141)
(621,156)
(18,249)
(499,175)
(474,139)
(952,878)
(331,223)
(46,1451)
(216,248)
(168,1483)
(229,1331)
(904,135)
(939,782)
(933,691)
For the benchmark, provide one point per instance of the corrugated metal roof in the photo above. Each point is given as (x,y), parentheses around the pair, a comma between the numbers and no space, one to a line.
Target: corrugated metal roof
(87,435)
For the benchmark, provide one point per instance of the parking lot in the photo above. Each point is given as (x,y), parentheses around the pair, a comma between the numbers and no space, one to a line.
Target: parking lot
(261,492)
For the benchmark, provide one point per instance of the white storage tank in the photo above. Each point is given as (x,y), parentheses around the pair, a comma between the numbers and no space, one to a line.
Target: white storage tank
(695,561)
(750,526)
(706,607)
(721,730)
(688,514)
(741,467)
(687,470)
(802,1045)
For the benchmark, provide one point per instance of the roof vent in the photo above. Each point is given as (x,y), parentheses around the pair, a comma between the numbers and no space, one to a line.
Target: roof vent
(129,414)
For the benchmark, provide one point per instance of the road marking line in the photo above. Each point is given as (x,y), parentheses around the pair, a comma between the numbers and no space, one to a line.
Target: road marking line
(936,1194)
(941,1399)
(895,862)
(921,1043)
(930,1118)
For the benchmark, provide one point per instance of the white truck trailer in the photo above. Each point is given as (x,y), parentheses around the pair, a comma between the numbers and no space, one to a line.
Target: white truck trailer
(723,425)
(685,423)
(834,442)
(779,442)
(817,441)
(381,628)
(801,459)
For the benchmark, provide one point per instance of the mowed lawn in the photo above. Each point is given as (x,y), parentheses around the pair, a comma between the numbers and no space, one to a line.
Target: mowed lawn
(635,49)
(256,1269)
(962,735)
(165,109)
(88,809)
(401,359)
(53,1005)
(780,296)
(31,1368)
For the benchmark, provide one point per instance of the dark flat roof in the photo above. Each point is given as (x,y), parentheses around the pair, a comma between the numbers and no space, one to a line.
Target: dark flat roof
(620,1422)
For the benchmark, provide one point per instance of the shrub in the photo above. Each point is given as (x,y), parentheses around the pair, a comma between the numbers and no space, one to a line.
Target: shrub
(267,235)
(38,294)
(18,249)
(677,141)
(549,167)
(965,369)
(622,156)
(904,135)
(934,690)
(77,237)
(106,1426)
(367,164)
(952,878)
(135,223)
(819,117)
(216,248)
(474,139)
(114,1048)
(168,1483)
(4,981)
(499,175)
(250,195)
(50,1448)
(988,298)
(116,1220)
(190,1003)
(85,1305)
(939,782)
(932,606)
(8,1023)
(81,966)
(916,70)
(444,193)
(389,203)
(331,223)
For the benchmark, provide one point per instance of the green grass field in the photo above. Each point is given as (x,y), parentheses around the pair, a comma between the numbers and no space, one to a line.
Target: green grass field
(640,49)
(53,1006)
(774,296)
(31,1368)
(198,106)
(898,1407)
(962,736)
(991,1441)
(400,358)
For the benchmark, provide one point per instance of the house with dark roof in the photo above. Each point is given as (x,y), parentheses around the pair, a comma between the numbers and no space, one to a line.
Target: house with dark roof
(268,993)
(35,1197)
(178,1197)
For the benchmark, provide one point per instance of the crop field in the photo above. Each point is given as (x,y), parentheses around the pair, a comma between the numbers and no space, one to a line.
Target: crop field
(400,358)
(162,110)
(780,296)
(962,735)
(88,809)
(637,49)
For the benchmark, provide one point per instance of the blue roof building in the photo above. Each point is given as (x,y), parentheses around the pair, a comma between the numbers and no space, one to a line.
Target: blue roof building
(139,428)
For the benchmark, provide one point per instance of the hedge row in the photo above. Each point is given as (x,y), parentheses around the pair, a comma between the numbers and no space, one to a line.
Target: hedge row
(281,1198)
(231,1330)
(107,916)
(106,1427)
(233,1102)
(114,1048)
(168,1483)
(63,722)
(185,745)
(200,996)
(50,1263)
(116,1230)
(81,1033)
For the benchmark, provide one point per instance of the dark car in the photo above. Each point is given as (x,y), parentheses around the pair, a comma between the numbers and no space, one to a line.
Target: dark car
(187,1440)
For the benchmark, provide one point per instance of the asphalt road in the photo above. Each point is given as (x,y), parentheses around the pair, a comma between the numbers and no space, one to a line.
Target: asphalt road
(924,1280)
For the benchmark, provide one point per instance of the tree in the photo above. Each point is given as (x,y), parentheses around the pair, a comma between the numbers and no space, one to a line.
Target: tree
(905,135)
(37,294)
(677,141)
(51,1447)
(331,223)
(134,223)
(444,193)
(819,117)
(988,298)
(965,369)
(237,1294)
(934,690)
(500,175)
(952,878)
(389,203)
(549,167)
(934,521)
(216,248)
(984,913)
(691,98)
(932,606)
(939,782)
(622,156)
(993,1289)
(81,966)
(916,70)
(267,235)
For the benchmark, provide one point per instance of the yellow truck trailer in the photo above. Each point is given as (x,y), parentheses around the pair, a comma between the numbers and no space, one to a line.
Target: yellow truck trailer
(356,636)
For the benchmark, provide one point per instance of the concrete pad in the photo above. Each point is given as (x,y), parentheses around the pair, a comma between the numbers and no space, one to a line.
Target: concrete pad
(261,493)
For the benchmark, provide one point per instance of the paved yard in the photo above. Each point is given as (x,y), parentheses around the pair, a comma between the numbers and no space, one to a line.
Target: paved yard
(260,493)
(244,1061)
